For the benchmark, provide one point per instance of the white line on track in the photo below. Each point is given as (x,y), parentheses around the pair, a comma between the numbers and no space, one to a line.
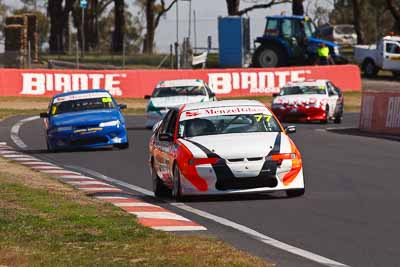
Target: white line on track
(15,132)
(241,228)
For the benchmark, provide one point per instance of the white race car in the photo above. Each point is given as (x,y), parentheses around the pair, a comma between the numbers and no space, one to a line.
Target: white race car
(174,93)
(224,147)
(312,100)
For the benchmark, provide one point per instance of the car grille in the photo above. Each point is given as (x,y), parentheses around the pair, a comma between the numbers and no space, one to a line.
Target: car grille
(245,159)
(246,183)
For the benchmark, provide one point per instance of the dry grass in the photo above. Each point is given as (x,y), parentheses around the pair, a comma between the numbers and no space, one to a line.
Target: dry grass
(46,223)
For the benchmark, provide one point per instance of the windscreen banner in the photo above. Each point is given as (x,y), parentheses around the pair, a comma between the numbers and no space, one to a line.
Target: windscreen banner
(138,83)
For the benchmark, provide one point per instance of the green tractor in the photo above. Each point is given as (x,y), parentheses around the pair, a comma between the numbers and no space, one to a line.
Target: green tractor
(290,40)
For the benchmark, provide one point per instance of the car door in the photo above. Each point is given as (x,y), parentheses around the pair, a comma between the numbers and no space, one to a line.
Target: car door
(158,156)
(391,56)
(332,98)
(166,147)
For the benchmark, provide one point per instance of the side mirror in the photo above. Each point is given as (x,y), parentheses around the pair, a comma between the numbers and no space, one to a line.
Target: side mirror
(290,129)
(165,137)
(275,94)
(147,96)
(44,115)
(122,106)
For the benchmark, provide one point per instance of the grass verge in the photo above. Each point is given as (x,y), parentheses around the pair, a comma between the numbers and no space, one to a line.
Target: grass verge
(46,223)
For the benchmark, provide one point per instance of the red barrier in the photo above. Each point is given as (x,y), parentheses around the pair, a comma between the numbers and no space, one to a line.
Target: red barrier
(137,83)
(380,112)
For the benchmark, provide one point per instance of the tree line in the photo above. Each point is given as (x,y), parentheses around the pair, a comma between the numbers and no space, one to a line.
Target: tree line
(110,23)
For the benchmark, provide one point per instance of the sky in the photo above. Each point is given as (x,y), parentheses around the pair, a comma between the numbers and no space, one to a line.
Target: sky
(207,13)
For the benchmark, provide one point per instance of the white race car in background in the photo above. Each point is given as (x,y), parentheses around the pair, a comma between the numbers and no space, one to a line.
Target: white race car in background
(224,147)
(312,100)
(174,93)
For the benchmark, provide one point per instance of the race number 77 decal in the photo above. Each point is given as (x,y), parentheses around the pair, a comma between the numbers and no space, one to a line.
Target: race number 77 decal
(259,117)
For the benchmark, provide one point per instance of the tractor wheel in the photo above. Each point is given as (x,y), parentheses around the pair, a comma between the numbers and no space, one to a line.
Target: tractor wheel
(269,56)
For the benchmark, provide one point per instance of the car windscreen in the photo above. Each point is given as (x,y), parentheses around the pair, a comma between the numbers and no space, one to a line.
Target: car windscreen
(228,124)
(303,90)
(179,91)
(82,105)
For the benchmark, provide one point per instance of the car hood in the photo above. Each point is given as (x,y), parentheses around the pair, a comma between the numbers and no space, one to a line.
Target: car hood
(296,99)
(90,117)
(175,101)
(233,146)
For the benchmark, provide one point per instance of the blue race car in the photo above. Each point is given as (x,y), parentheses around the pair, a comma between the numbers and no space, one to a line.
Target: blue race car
(84,119)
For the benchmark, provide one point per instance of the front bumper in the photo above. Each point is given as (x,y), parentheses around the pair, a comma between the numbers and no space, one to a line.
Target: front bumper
(300,113)
(241,185)
(87,138)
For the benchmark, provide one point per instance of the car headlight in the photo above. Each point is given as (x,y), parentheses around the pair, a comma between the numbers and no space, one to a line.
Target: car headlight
(63,129)
(110,123)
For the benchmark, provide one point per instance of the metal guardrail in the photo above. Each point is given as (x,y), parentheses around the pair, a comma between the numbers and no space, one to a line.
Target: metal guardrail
(58,64)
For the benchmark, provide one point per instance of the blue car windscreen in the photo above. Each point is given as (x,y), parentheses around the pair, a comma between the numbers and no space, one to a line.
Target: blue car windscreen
(82,105)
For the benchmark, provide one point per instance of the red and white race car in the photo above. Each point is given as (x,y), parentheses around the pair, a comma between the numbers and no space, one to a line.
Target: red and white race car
(235,146)
(316,100)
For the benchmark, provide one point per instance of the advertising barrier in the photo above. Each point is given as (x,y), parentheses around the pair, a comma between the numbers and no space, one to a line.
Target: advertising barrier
(138,83)
(380,112)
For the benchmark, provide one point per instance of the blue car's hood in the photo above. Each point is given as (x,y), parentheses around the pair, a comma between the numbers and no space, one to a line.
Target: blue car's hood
(319,41)
(88,117)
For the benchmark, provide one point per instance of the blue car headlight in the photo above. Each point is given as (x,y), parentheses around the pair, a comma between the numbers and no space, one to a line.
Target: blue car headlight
(116,123)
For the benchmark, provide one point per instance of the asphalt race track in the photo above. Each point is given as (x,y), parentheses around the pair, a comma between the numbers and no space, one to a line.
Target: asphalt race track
(349,213)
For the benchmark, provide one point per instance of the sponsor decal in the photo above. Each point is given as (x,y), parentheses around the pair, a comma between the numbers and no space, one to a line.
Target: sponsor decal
(223,111)
(41,83)
(80,97)
(254,82)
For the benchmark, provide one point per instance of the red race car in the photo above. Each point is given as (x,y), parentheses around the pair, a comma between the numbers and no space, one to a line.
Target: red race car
(317,100)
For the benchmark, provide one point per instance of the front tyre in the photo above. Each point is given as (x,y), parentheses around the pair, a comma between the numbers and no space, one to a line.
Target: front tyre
(295,192)
(338,119)
(176,187)
(159,189)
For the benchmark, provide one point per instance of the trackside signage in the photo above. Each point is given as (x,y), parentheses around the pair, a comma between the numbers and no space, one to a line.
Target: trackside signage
(42,83)
(380,112)
(137,83)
